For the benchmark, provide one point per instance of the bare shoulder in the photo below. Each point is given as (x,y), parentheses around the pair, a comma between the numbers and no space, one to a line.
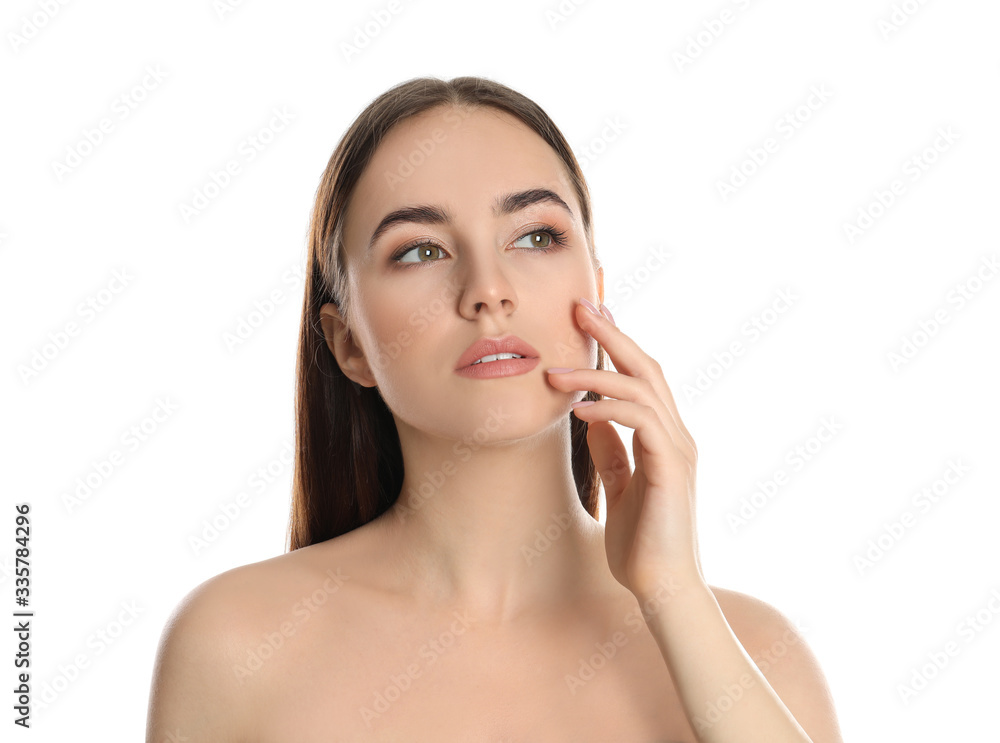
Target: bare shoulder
(205,685)
(191,696)
(749,612)
(780,651)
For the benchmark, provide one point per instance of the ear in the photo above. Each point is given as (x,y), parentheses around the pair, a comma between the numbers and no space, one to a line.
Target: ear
(600,283)
(340,340)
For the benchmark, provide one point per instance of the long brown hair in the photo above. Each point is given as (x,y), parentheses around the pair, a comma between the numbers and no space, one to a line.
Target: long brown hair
(348,462)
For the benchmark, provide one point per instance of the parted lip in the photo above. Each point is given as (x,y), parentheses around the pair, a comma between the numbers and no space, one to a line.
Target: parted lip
(488,346)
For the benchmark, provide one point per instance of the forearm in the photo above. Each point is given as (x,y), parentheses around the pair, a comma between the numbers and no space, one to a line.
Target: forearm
(724,695)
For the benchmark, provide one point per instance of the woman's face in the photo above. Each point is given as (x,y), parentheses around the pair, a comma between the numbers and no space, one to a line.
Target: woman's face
(484,272)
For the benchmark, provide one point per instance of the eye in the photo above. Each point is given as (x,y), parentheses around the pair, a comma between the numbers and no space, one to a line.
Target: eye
(545,239)
(423,250)
(539,239)
(542,240)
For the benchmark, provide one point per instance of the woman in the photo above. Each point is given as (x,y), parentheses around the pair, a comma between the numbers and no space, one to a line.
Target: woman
(447,577)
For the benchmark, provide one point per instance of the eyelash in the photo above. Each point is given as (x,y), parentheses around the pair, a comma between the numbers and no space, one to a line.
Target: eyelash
(558,238)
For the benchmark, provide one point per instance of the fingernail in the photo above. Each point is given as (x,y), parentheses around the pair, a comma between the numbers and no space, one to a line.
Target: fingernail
(558,370)
(582,403)
(589,305)
(607,314)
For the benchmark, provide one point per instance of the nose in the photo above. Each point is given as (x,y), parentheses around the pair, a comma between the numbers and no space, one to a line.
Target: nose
(485,285)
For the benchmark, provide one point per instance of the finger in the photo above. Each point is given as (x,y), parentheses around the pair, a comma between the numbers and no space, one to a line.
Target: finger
(611,459)
(621,387)
(659,467)
(624,352)
(664,464)
(629,358)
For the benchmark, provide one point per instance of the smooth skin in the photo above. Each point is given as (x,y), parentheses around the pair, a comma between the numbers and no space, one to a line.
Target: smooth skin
(486,604)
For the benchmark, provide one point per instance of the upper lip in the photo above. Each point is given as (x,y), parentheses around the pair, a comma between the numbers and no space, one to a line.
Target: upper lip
(489,346)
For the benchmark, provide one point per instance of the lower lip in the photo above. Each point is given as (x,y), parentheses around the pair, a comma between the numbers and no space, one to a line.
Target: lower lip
(499,368)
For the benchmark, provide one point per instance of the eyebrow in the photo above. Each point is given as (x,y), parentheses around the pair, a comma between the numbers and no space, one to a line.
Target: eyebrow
(503,205)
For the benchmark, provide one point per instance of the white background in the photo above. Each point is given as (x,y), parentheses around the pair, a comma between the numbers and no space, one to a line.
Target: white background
(681,129)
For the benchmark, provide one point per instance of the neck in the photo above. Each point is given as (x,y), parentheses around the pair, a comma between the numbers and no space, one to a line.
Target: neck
(496,528)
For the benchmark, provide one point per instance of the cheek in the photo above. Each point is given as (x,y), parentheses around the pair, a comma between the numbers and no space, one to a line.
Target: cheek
(405,343)
(388,344)
(379,326)
(569,344)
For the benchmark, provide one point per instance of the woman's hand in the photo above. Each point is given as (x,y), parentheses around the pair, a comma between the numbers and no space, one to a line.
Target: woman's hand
(651,541)
(650,532)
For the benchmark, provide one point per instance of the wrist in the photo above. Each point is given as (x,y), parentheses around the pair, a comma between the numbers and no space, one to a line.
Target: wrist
(671,589)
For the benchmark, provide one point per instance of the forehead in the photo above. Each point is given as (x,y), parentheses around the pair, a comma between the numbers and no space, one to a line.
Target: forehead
(456,158)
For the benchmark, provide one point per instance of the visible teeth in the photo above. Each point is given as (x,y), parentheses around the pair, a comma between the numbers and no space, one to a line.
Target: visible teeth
(496,356)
